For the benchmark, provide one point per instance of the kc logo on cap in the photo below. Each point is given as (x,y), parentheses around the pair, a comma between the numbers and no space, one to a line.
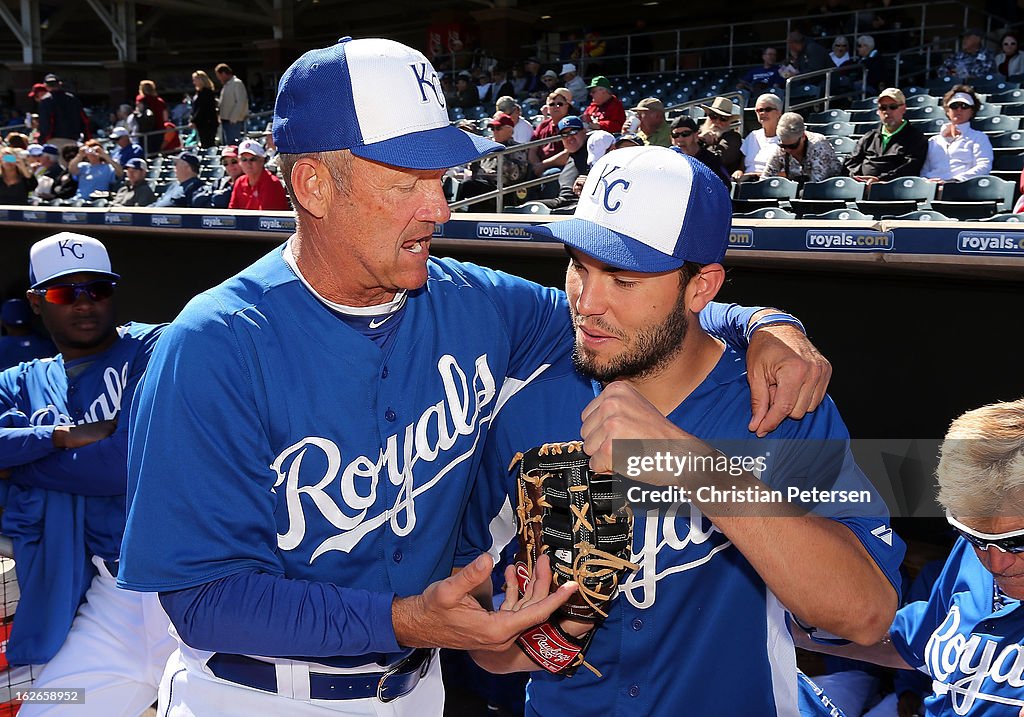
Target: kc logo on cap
(648,209)
(377,98)
(67,253)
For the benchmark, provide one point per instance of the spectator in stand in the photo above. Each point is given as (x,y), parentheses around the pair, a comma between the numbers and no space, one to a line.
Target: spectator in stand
(628,140)
(66,185)
(485,170)
(204,109)
(523,131)
(187,185)
(219,192)
(575,84)
(135,192)
(171,139)
(38,93)
(257,188)
(124,111)
(147,128)
(47,173)
(465,93)
(958,151)
(155,104)
(840,54)
(19,342)
(765,77)
(972,61)
(17,140)
(501,86)
(894,149)
(653,127)
(804,55)
(598,144)
(124,148)
(61,117)
(96,171)
(533,87)
(685,139)
(1010,61)
(868,55)
(550,158)
(605,110)
(234,104)
(719,136)
(181,112)
(550,81)
(18,179)
(574,138)
(759,146)
(800,155)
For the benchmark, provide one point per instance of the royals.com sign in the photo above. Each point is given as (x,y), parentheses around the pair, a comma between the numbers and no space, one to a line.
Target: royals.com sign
(840,240)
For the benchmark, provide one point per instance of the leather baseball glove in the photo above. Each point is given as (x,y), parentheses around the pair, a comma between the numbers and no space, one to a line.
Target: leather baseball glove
(581,520)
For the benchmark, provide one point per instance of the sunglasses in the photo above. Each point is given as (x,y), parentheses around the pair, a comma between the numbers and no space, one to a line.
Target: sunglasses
(764,110)
(1012,542)
(684,133)
(571,133)
(958,105)
(226,162)
(889,108)
(790,145)
(556,104)
(720,118)
(66,294)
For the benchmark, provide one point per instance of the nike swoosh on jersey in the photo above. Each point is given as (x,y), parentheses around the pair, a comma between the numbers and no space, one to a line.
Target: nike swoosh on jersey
(376,323)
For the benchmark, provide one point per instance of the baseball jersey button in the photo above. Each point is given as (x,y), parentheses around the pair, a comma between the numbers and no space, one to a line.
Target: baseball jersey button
(638,624)
(384,373)
(397,556)
(634,690)
(390,415)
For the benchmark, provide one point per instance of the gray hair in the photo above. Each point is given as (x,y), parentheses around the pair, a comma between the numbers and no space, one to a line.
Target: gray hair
(338,163)
(770,99)
(866,40)
(840,40)
(790,125)
(506,104)
(981,463)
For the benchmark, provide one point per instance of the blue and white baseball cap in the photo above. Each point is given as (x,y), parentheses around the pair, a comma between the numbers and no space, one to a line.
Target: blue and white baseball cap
(67,253)
(379,99)
(648,209)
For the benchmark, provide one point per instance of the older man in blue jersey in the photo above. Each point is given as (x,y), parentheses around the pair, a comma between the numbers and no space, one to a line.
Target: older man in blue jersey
(310,430)
(968,636)
(63,447)
(702,625)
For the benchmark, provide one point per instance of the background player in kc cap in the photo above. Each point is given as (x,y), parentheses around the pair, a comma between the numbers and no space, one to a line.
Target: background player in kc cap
(67,253)
(344,97)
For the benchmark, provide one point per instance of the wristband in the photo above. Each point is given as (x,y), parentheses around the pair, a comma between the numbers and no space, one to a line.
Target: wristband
(769,320)
(555,650)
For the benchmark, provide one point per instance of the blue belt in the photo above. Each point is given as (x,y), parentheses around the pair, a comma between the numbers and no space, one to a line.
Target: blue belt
(398,681)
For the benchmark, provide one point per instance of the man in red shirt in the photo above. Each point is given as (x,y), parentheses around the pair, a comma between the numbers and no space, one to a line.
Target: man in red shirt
(605,110)
(256,188)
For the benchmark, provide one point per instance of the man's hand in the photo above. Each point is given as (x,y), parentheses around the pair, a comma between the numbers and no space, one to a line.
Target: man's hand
(447,614)
(787,376)
(84,434)
(620,411)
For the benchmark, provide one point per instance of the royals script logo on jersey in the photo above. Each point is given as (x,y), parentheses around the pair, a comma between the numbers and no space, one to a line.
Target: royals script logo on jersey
(977,659)
(428,439)
(106,406)
(700,542)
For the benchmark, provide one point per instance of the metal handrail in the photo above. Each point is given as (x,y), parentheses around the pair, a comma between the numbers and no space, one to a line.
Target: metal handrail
(827,97)
(927,49)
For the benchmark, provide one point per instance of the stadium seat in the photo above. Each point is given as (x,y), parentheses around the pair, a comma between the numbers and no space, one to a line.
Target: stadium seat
(965,211)
(829,194)
(988,110)
(1007,143)
(995,86)
(940,86)
(866,115)
(932,126)
(1008,97)
(828,116)
(836,129)
(868,103)
(529,208)
(766,213)
(862,128)
(980,189)
(1014,110)
(924,112)
(897,196)
(996,123)
(768,192)
(843,145)
(1008,167)
(1004,217)
(922,101)
(921,215)
(842,214)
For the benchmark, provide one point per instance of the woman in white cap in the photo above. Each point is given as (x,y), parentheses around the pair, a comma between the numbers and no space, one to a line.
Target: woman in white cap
(959,151)
(759,146)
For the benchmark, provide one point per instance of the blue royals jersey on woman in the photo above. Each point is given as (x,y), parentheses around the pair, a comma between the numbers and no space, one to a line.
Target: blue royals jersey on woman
(968,638)
(695,630)
(269,435)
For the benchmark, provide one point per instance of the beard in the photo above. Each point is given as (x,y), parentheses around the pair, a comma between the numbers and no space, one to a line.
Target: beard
(650,350)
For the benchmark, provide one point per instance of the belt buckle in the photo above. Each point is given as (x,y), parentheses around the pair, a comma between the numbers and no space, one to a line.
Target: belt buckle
(397,668)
